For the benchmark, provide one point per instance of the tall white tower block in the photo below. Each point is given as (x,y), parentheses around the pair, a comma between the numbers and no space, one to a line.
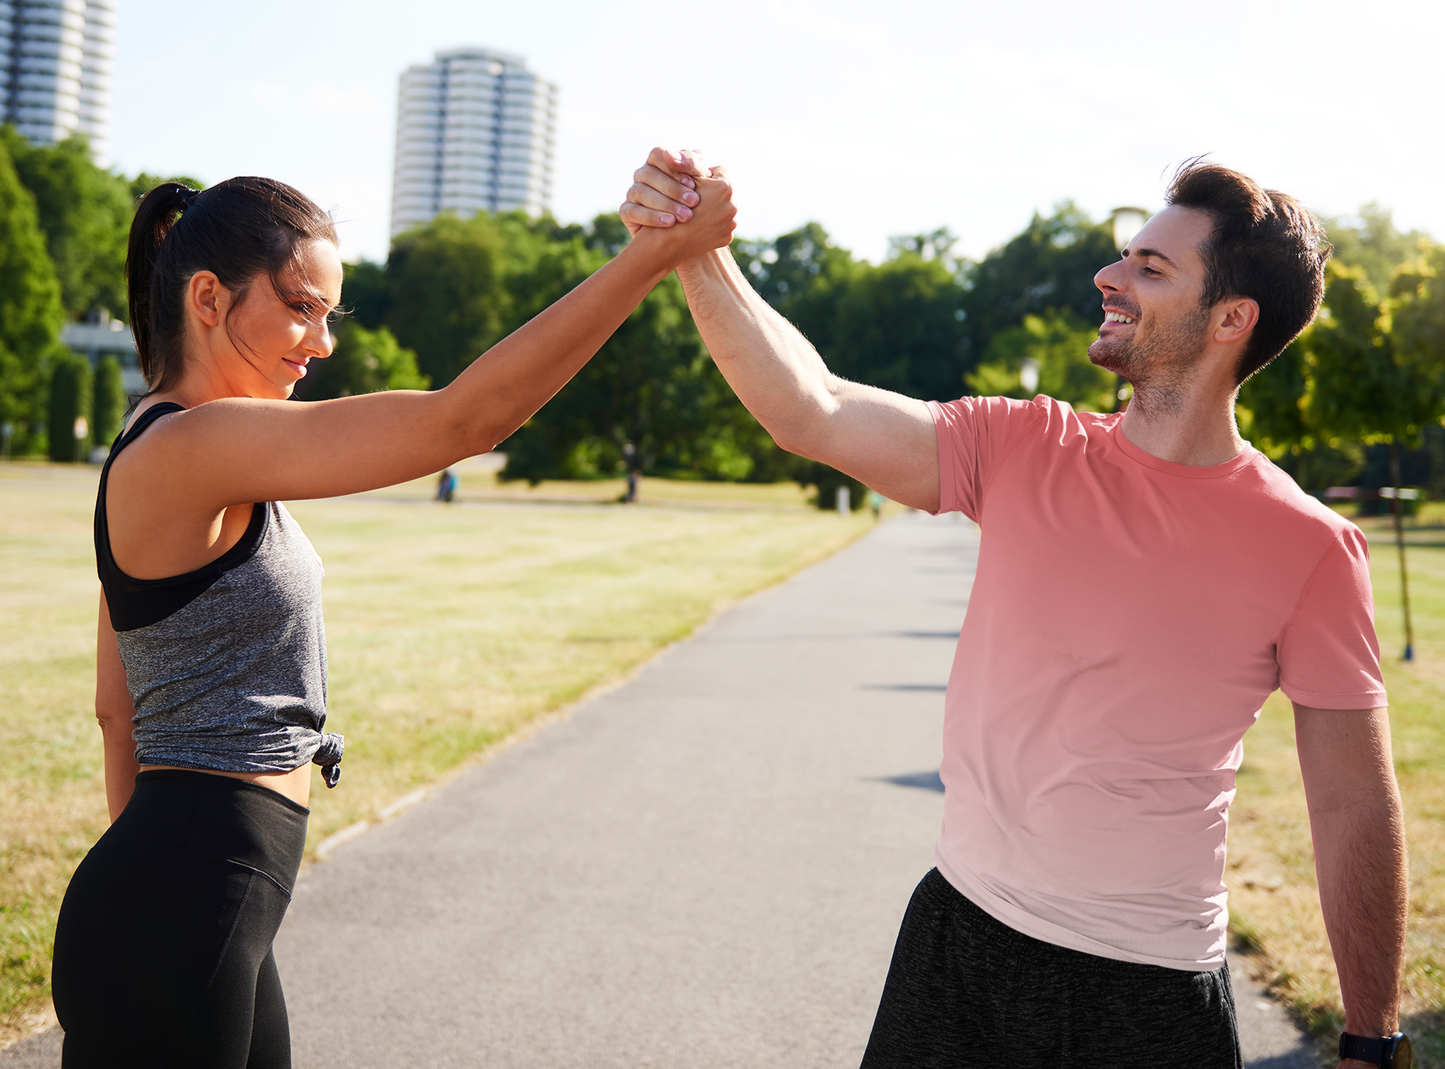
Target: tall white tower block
(55,68)
(475,131)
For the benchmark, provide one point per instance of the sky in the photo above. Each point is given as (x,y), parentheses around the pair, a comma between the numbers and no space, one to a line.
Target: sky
(873,118)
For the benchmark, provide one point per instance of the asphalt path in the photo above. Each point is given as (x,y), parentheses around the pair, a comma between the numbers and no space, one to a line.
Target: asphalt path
(703,867)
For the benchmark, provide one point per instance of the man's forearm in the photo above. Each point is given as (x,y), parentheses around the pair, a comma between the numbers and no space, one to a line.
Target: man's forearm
(772,368)
(1360,863)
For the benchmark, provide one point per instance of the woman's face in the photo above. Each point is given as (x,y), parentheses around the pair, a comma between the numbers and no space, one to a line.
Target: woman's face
(276,335)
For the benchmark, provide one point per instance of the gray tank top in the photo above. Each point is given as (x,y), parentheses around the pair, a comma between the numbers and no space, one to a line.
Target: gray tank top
(226,665)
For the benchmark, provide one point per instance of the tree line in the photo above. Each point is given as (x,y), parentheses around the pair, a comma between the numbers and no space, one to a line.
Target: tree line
(921,323)
(1366,379)
(63,229)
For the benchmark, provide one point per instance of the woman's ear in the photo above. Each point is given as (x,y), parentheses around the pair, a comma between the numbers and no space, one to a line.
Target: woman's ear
(207,299)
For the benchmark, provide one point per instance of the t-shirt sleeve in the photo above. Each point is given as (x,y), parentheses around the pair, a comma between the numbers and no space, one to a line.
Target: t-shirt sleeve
(1329,657)
(975,435)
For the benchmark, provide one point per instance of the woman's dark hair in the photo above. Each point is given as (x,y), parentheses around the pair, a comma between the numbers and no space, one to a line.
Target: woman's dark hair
(241,229)
(1265,245)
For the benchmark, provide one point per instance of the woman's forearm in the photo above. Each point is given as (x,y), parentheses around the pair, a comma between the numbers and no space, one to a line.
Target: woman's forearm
(115,713)
(120,766)
(508,383)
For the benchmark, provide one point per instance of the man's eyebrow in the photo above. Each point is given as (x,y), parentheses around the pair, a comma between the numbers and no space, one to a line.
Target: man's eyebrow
(1155,253)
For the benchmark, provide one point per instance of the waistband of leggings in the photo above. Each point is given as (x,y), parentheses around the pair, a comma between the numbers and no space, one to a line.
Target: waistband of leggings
(217,817)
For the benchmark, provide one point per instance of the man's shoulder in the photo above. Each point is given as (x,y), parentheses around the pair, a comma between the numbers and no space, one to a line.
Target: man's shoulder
(1280,498)
(1018,416)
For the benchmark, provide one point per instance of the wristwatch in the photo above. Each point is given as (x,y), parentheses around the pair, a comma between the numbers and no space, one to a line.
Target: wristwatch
(1390,1052)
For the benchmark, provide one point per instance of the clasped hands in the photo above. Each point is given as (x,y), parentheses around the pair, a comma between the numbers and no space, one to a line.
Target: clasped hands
(678,187)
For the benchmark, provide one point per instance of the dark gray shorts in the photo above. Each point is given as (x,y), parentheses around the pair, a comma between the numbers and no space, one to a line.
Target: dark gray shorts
(966,990)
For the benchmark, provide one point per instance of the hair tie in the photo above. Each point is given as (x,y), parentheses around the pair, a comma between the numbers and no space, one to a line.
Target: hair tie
(188,196)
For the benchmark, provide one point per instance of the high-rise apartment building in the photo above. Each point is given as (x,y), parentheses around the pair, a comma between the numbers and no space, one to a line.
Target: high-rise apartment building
(55,63)
(474,132)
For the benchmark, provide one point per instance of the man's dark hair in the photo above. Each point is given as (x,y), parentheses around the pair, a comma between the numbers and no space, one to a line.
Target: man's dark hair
(1265,245)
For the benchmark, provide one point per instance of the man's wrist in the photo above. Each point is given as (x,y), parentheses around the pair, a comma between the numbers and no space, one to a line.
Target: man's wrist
(1391,1051)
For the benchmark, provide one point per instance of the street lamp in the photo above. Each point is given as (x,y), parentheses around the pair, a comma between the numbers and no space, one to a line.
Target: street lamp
(1029,375)
(1127,223)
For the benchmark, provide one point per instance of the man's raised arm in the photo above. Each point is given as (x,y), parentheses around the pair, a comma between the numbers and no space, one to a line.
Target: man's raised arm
(883,439)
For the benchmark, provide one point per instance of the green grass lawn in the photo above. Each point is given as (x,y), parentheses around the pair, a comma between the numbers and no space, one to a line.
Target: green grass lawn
(448,628)
(1273,896)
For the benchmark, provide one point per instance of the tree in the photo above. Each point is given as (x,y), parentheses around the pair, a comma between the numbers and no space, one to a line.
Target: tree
(449,303)
(1361,388)
(70,398)
(897,327)
(1373,243)
(651,387)
(109,402)
(1050,266)
(1059,346)
(31,314)
(365,293)
(364,361)
(85,213)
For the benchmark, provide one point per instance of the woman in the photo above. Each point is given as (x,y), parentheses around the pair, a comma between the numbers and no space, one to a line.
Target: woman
(211,674)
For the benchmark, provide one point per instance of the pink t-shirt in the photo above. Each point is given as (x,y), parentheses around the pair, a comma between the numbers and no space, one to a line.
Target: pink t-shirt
(1128,619)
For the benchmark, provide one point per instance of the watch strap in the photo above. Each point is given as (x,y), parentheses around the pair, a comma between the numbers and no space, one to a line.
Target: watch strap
(1377,1050)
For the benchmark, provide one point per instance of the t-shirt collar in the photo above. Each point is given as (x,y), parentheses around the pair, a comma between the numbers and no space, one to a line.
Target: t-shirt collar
(1184,471)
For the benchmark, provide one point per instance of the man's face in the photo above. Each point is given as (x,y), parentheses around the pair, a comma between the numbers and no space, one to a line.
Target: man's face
(1154,329)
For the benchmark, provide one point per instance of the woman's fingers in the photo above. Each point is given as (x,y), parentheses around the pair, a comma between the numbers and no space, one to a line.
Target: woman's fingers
(664,189)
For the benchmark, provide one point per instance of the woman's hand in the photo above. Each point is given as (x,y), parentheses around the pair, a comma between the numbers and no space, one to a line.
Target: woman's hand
(664,189)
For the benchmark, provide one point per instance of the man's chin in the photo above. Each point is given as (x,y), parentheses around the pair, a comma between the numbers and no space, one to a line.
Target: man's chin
(1104,355)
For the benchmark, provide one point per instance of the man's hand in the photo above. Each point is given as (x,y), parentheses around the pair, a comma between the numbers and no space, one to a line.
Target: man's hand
(710,222)
(664,189)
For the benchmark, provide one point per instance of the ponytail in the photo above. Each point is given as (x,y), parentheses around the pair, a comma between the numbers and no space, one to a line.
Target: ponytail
(239,229)
(158,211)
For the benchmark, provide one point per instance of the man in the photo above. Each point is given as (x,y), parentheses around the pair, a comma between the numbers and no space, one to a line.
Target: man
(1145,580)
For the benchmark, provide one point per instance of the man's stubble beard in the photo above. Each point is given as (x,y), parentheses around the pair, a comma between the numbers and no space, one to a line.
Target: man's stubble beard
(1158,365)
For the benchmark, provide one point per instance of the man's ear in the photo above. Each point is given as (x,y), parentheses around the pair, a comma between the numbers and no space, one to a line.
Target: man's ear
(207,298)
(1235,318)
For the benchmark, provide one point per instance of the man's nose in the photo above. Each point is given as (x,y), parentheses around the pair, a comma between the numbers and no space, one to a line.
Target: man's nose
(1108,278)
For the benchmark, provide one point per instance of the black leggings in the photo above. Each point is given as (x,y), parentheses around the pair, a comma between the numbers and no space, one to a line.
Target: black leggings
(163,946)
(965,990)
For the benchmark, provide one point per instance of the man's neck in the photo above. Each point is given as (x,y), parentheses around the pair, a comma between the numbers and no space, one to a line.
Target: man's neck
(1196,428)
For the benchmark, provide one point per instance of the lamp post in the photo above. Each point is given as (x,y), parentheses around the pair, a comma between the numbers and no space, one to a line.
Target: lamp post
(1128,221)
(1029,375)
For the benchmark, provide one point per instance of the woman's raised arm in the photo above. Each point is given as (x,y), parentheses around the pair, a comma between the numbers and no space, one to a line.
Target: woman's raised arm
(237,450)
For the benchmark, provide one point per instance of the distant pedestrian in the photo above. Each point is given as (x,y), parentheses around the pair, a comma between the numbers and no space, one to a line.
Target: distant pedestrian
(447,486)
(875,503)
(211,659)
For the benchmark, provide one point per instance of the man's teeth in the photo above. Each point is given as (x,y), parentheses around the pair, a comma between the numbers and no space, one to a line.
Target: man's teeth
(1116,317)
